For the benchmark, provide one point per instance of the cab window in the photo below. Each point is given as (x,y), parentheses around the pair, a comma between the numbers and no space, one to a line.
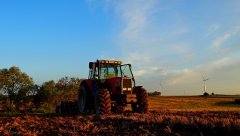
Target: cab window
(110,71)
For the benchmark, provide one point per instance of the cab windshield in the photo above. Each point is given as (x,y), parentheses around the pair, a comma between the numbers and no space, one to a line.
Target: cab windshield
(111,71)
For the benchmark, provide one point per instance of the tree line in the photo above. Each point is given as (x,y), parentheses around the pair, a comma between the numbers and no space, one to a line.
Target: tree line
(17,90)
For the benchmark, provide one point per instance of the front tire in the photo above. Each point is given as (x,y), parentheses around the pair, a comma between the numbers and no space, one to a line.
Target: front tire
(142,101)
(102,102)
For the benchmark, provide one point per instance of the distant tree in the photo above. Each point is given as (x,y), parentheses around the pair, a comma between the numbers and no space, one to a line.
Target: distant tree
(68,84)
(45,93)
(47,90)
(67,89)
(34,90)
(213,93)
(155,93)
(14,82)
(205,94)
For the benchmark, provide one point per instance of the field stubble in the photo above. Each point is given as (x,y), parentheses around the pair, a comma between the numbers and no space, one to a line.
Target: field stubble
(168,116)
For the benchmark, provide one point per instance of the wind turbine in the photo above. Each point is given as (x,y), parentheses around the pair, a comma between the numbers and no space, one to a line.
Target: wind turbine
(204,82)
(161,86)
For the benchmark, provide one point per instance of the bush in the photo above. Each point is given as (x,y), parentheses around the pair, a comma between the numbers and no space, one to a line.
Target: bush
(154,93)
(205,94)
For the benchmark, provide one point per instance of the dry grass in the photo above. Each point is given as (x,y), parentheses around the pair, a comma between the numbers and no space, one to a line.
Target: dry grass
(169,116)
(194,103)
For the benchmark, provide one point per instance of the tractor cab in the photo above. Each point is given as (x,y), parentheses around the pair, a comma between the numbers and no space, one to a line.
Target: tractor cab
(103,69)
(113,75)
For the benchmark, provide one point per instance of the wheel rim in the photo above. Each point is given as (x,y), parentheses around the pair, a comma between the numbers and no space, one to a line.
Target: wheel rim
(82,100)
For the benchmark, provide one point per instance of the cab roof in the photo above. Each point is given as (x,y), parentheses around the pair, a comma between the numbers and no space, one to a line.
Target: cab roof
(109,62)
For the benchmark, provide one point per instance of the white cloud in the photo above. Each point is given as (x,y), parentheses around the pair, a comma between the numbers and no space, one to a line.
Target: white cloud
(149,71)
(182,76)
(219,41)
(136,15)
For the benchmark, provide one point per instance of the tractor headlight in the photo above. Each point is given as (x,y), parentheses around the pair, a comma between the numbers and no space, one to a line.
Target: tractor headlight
(127,89)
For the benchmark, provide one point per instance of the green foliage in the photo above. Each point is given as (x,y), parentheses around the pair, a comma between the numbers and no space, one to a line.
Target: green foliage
(51,94)
(45,93)
(17,88)
(15,84)
(67,84)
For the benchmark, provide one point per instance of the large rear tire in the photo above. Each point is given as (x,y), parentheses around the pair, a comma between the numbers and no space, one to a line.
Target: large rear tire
(102,102)
(142,101)
(82,99)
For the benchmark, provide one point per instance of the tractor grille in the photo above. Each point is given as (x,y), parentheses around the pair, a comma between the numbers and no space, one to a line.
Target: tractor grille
(127,83)
(127,86)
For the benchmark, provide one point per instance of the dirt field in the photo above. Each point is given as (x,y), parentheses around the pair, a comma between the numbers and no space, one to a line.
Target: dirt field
(168,116)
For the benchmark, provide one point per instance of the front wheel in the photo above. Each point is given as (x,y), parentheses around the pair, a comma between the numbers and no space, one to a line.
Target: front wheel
(142,101)
(102,102)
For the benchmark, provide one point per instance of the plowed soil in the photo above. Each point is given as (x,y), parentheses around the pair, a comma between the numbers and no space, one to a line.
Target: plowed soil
(153,123)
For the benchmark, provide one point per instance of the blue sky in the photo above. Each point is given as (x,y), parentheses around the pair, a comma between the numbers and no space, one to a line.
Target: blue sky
(169,43)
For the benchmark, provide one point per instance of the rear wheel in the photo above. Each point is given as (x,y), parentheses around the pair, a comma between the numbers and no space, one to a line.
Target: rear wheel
(102,102)
(82,99)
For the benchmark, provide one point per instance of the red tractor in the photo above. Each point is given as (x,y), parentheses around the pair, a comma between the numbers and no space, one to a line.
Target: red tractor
(109,88)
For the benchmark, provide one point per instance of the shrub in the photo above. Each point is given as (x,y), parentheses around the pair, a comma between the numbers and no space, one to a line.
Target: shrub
(205,94)
(154,93)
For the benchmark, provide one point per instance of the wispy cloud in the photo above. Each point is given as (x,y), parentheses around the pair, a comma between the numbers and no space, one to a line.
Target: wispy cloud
(148,70)
(219,41)
(136,16)
(212,29)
